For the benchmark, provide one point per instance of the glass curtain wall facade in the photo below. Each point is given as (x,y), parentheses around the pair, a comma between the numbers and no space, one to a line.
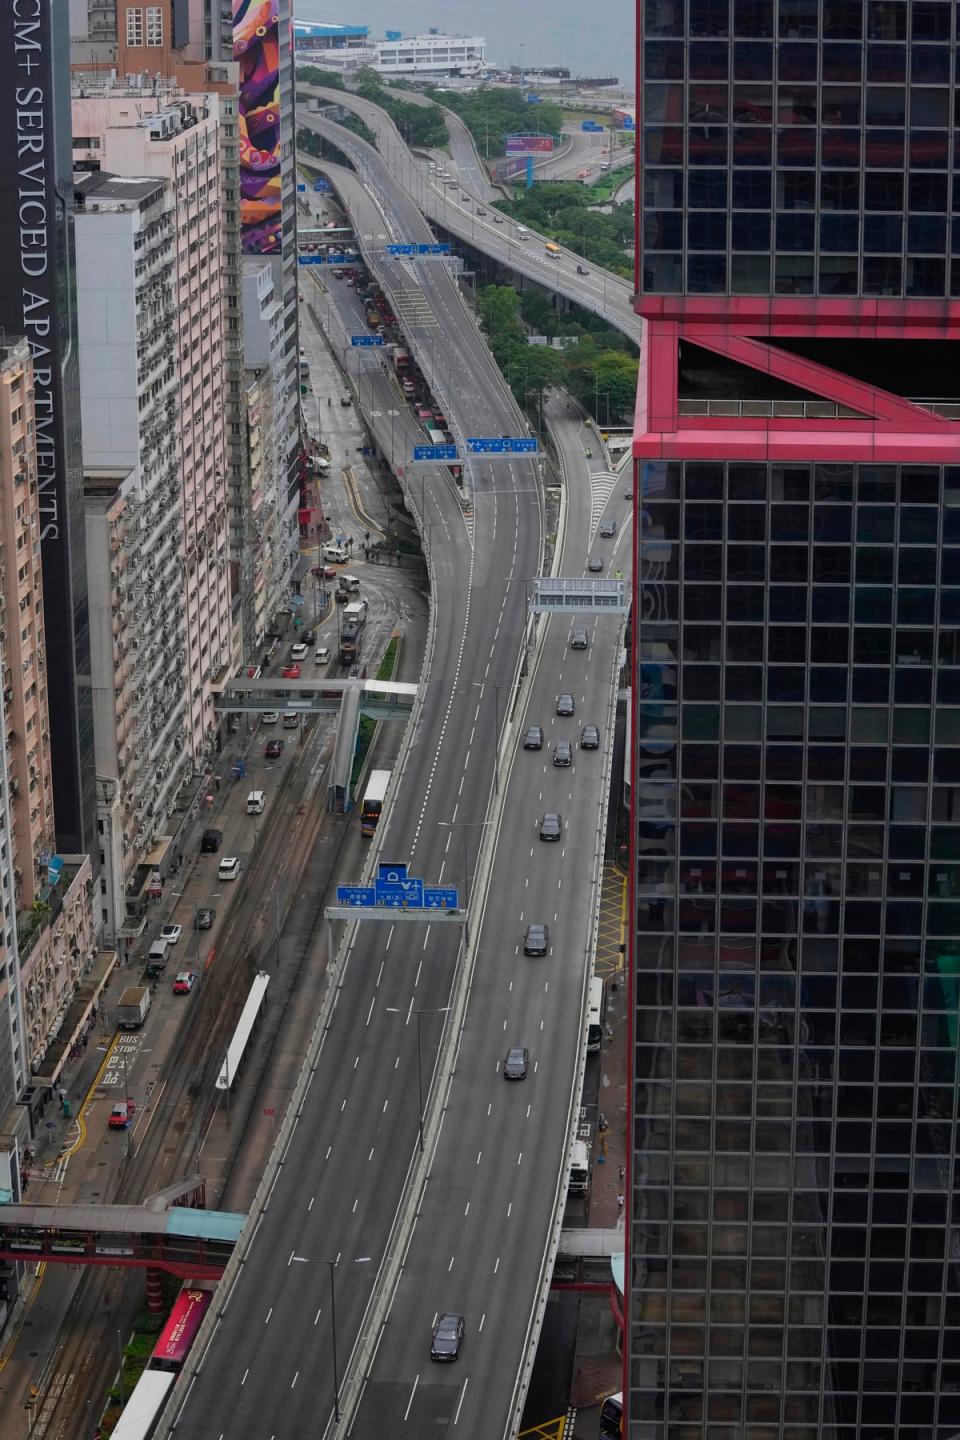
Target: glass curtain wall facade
(793,1183)
(797,781)
(800,147)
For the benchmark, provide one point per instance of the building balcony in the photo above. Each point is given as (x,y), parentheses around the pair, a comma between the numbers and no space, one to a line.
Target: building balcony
(44,911)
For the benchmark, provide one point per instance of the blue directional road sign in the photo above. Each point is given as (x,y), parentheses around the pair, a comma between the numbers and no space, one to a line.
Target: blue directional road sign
(360,895)
(394,887)
(323,259)
(507,445)
(320,185)
(366,339)
(441,897)
(300,186)
(486,447)
(441,249)
(434,452)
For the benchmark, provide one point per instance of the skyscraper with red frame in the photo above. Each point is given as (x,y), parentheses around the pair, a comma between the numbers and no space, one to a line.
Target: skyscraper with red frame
(796,724)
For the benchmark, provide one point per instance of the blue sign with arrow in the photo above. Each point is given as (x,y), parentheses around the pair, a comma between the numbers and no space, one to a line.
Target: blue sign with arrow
(359,895)
(434,452)
(396,890)
(321,186)
(401,249)
(486,447)
(366,339)
(323,259)
(420,249)
(441,897)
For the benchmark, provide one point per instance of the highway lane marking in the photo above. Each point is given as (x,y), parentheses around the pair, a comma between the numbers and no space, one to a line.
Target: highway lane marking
(519,1158)
(310,1206)
(245,1374)
(290,1261)
(370,1156)
(462,1394)
(356,1061)
(480,1152)
(496,1265)
(489,1108)
(450,1266)
(383,962)
(269,1313)
(355,1204)
(396,1062)
(509,1208)
(295,1379)
(413,1391)
(385,1104)
(329,1148)
(528,1111)
(343,1105)
(370,1011)
(467,1211)
(317,1316)
(482,1318)
(389,937)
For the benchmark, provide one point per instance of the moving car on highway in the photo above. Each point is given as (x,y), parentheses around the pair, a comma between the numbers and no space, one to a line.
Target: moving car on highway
(565,704)
(533,737)
(536,940)
(515,1063)
(551,825)
(447,1336)
(590,738)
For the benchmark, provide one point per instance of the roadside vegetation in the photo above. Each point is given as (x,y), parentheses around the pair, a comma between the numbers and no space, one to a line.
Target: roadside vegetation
(598,365)
(561,210)
(421,125)
(491,114)
(367,727)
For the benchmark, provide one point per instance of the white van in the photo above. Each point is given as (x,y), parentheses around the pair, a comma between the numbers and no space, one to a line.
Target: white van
(350,583)
(336,554)
(157,956)
(522,232)
(579,1182)
(322,656)
(255,802)
(291,719)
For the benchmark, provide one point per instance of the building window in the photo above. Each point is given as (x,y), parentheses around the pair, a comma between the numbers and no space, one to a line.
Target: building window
(135,25)
(154,25)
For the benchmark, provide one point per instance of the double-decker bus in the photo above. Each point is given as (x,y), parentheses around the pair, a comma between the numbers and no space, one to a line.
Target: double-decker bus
(611,1415)
(373,798)
(596,1002)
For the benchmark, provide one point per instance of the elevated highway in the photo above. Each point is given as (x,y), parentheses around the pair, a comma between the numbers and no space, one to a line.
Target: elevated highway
(598,290)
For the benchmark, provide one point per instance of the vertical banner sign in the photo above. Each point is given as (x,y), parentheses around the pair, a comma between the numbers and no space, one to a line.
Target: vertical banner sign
(256,46)
(38,300)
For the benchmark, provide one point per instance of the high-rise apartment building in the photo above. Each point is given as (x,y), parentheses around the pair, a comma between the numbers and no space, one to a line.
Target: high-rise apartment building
(38,300)
(131,386)
(47,931)
(796,739)
(177,139)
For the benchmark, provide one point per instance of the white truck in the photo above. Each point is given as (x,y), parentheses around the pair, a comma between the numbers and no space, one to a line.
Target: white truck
(132,1007)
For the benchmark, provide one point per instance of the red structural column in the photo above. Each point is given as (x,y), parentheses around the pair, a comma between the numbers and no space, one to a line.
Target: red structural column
(155,1291)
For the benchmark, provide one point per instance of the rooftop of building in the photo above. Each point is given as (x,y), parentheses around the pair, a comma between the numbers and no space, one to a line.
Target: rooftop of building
(118,191)
(319,29)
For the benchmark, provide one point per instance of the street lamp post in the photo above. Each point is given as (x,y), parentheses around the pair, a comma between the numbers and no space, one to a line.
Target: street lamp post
(441,1010)
(305,1260)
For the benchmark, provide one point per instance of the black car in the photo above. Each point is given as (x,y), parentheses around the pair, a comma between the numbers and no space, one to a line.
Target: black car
(533,738)
(608,528)
(210,841)
(579,639)
(205,918)
(562,753)
(595,565)
(515,1063)
(551,825)
(565,704)
(274,749)
(344,400)
(447,1336)
(590,738)
(581,271)
(536,940)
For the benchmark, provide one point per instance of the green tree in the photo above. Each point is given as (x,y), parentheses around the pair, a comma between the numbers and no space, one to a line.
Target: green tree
(499,310)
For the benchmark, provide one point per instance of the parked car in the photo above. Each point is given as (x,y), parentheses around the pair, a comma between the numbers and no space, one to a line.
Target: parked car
(515,1063)
(447,1336)
(550,826)
(171,933)
(565,704)
(274,749)
(229,867)
(184,982)
(590,738)
(563,753)
(210,841)
(121,1115)
(205,918)
(536,940)
(533,738)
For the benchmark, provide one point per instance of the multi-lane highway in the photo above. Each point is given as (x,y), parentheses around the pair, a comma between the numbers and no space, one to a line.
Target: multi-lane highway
(488,1197)
(343,1171)
(453,210)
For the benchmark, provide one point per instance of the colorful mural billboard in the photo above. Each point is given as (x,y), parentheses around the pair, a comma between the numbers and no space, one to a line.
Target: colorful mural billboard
(528,144)
(256,46)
